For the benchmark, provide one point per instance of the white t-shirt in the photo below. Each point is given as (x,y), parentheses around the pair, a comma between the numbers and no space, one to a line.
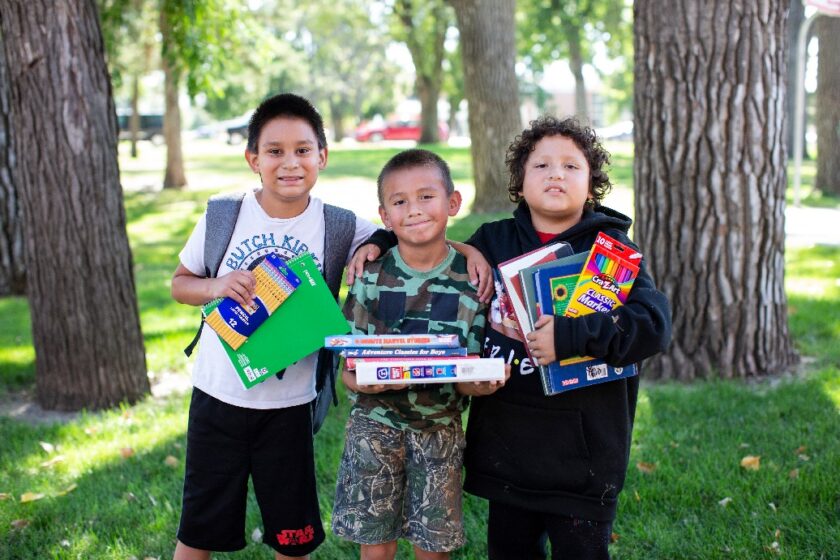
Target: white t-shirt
(257,234)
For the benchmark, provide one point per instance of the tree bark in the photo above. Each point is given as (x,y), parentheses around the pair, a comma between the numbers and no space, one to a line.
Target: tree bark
(12,268)
(174,176)
(489,53)
(828,105)
(428,91)
(134,119)
(85,326)
(572,34)
(710,181)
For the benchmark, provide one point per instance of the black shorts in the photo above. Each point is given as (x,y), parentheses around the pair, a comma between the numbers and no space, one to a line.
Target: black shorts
(226,444)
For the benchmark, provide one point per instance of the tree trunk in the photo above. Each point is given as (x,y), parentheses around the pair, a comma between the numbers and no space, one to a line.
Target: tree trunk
(572,34)
(428,91)
(337,118)
(174,176)
(85,326)
(12,269)
(710,181)
(134,119)
(795,17)
(828,105)
(489,53)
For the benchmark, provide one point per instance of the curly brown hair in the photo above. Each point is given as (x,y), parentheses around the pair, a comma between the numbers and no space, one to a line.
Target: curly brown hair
(584,138)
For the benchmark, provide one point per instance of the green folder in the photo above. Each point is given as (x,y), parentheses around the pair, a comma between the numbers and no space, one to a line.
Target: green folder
(296,329)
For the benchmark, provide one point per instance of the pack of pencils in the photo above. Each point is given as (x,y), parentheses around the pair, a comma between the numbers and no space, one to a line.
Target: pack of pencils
(234,323)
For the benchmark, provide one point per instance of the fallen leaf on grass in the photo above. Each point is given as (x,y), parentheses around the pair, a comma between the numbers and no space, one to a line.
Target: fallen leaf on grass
(744,445)
(801,449)
(19,524)
(92,431)
(52,462)
(725,502)
(30,497)
(772,506)
(636,495)
(67,490)
(794,473)
(803,457)
(256,535)
(65,543)
(4,496)
(126,452)
(646,468)
(171,461)
(614,537)
(47,446)
(774,548)
(751,462)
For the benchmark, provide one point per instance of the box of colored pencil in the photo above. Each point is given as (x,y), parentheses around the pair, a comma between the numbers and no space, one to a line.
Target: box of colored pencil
(234,323)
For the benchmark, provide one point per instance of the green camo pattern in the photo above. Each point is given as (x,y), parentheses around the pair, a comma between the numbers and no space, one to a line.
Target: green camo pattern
(428,406)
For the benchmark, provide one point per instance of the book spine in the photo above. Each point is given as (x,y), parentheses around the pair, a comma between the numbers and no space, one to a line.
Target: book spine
(406,352)
(413,371)
(351,361)
(338,343)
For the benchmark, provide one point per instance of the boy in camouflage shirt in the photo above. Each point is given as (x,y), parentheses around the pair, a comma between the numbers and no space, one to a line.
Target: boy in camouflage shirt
(400,473)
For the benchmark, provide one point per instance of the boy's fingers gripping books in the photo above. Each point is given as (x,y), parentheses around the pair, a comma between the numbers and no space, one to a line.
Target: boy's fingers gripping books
(239,286)
(541,340)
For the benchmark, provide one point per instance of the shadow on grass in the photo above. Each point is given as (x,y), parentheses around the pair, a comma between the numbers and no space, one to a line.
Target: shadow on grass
(696,436)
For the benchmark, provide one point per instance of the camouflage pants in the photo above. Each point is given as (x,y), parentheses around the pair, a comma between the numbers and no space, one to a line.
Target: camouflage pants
(398,483)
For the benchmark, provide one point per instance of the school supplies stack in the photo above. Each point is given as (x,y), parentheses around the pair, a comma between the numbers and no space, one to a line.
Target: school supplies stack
(512,299)
(234,323)
(412,359)
(577,285)
(293,331)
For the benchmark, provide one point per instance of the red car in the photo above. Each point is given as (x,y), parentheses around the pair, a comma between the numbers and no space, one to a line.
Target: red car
(395,130)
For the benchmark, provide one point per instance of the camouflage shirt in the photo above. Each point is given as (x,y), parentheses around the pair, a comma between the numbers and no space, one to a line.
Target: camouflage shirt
(391,298)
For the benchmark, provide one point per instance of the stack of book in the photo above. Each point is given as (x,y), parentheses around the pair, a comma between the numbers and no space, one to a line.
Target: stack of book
(412,359)
(571,285)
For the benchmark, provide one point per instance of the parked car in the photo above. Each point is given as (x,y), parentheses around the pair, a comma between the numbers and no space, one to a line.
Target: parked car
(151,128)
(395,130)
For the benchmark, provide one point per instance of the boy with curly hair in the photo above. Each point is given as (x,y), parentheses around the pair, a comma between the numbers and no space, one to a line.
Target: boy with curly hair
(552,467)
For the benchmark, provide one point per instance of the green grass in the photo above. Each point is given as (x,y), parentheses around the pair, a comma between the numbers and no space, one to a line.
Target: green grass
(691,439)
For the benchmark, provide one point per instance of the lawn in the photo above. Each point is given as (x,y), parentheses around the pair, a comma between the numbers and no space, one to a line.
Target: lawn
(107,484)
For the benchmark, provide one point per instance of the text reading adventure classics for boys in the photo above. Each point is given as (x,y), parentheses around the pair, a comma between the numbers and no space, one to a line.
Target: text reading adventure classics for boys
(295,329)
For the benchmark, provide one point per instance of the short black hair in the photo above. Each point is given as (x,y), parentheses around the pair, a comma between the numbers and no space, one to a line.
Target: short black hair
(584,138)
(415,157)
(285,105)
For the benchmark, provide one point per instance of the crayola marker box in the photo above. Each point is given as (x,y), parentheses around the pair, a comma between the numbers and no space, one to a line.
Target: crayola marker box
(605,280)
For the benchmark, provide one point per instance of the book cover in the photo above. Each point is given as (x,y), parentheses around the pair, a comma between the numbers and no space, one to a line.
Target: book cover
(338,343)
(438,370)
(555,283)
(509,272)
(436,354)
(234,323)
(400,351)
(296,329)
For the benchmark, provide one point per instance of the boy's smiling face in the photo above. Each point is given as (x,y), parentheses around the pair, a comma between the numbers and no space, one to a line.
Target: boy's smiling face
(416,205)
(288,161)
(556,184)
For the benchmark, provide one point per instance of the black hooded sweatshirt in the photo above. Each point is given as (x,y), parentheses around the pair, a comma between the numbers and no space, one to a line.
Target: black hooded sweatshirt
(566,454)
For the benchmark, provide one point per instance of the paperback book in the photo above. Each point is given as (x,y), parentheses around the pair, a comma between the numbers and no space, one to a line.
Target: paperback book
(338,343)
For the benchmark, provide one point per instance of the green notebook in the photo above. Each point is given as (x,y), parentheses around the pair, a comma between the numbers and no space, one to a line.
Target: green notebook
(296,329)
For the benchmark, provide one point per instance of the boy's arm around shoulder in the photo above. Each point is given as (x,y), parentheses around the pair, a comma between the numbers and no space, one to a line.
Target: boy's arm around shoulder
(628,334)
(191,289)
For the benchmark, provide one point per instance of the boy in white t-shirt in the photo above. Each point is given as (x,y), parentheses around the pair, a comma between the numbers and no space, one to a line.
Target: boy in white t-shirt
(264,432)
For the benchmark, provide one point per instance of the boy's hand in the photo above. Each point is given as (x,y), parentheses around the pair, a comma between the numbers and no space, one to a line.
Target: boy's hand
(364,254)
(541,341)
(480,271)
(239,285)
(482,388)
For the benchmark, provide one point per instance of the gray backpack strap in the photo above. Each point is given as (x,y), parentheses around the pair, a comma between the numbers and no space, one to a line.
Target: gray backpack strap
(339,231)
(222,212)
